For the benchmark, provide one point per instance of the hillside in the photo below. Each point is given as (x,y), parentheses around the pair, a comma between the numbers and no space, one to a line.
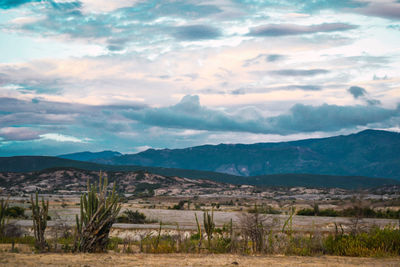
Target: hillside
(91,156)
(140,183)
(34,164)
(368,153)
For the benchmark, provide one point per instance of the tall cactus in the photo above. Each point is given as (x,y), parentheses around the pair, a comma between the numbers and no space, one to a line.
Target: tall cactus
(99,211)
(209,226)
(39,218)
(199,233)
(3,208)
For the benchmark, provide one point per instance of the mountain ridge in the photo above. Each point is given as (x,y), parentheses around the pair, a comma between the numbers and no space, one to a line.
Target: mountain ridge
(371,153)
(286,180)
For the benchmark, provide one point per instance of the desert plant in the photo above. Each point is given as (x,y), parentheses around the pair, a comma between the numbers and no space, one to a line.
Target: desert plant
(15,212)
(198,232)
(13,232)
(99,211)
(288,225)
(3,210)
(39,218)
(130,216)
(376,242)
(253,229)
(61,231)
(209,226)
(157,240)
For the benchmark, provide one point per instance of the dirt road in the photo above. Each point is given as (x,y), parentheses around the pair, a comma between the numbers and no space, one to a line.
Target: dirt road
(26,260)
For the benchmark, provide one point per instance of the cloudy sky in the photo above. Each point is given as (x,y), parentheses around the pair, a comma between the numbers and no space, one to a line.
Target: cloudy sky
(127,75)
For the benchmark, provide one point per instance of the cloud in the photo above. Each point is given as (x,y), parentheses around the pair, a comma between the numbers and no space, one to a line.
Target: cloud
(357,91)
(261,58)
(308,87)
(19,133)
(373,102)
(384,10)
(196,32)
(272,30)
(62,138)
(150,10)
(8,4)
(299,72)
(274,57)
(189,114)
(317,5)
(48,113)
(361,93)
(325,118)
(142,22)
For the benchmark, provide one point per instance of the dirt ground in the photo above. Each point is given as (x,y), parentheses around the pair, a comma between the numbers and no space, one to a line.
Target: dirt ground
(86,260)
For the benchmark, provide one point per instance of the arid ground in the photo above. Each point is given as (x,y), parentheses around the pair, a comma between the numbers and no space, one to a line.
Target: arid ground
(19,259)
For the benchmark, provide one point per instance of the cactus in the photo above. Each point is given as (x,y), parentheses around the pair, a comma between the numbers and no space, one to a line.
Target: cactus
(198,232)
(157,241)
(39,218)
(99,211)
(3,208)
(288,225)
(209,226)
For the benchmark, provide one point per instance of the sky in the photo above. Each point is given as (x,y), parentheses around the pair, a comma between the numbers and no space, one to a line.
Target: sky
(128,75)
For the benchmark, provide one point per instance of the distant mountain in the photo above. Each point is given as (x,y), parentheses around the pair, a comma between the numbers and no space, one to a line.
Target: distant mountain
(91,156)
(369,153)
(28,164)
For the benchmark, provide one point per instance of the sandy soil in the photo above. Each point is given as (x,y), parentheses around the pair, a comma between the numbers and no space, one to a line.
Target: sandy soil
(19,259)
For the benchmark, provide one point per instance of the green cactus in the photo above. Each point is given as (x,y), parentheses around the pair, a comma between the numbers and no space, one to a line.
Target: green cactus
(3,208)
(99,211)
(209,226)
(39,218)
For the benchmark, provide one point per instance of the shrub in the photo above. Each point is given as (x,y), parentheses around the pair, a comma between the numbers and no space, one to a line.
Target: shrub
(130,216)
(328,213)
(377,242)
(306,212)
(179,206)
(264,209)
(15,212)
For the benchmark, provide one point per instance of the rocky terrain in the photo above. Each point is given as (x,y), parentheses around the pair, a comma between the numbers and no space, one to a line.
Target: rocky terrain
(71,181)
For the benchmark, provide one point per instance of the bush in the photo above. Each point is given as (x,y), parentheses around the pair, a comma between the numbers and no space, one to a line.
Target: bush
(15,212)
(179,206)
(264,210)
(130,216)
(328,213)
(306,212)
(145,189)
(376,243)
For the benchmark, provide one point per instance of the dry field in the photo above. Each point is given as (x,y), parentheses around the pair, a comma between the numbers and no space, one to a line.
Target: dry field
(19,259)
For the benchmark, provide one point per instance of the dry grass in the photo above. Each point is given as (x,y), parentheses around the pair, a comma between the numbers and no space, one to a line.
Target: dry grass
(110,259)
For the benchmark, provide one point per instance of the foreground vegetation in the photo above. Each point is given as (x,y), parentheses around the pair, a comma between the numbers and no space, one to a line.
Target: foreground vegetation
(255,233)
(355,211)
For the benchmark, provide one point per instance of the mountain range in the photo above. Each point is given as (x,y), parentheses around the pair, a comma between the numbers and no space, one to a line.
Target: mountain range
(30,169)
(365,159)
(371,153)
